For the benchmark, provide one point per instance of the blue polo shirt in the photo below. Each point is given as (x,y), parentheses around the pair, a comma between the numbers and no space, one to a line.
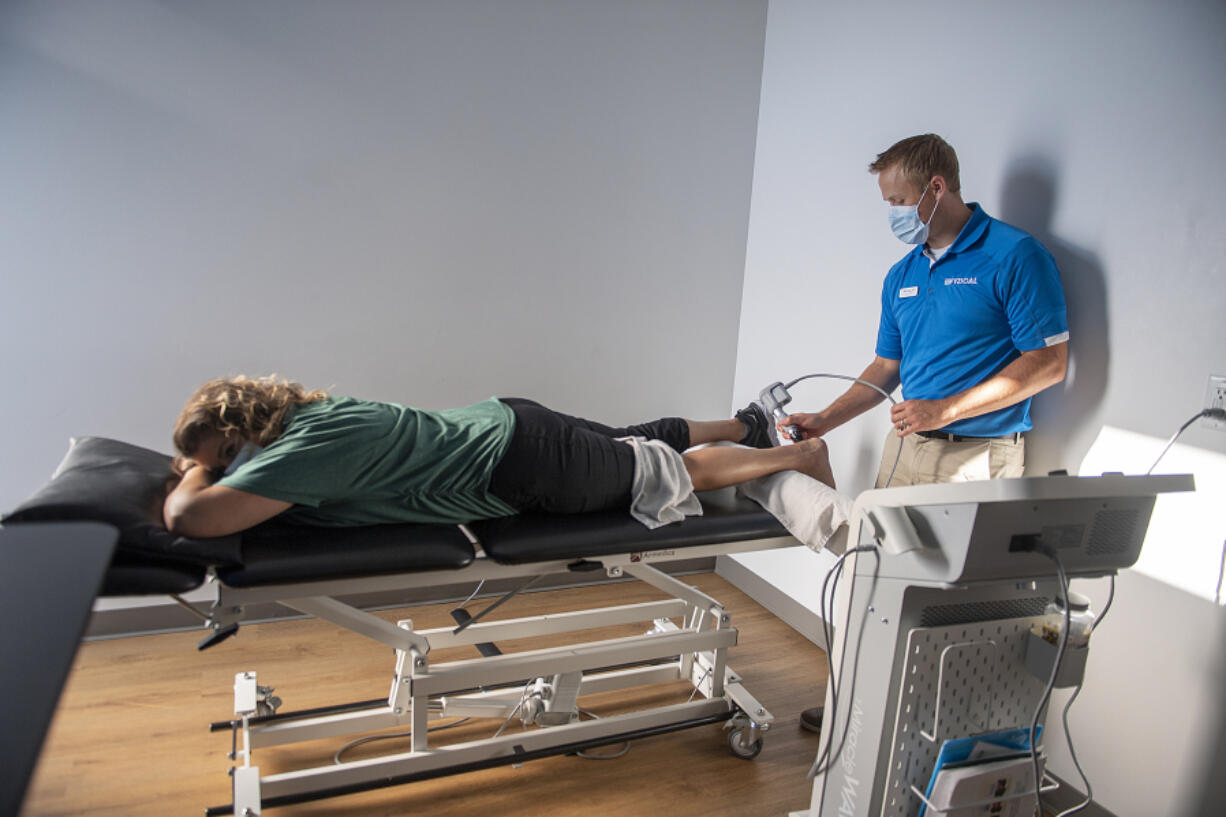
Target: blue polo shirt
(994,293)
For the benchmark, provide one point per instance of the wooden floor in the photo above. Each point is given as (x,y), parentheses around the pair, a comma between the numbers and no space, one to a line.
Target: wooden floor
(131,735)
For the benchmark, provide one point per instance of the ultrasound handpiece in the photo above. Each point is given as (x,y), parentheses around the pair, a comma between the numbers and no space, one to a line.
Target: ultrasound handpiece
(773,398)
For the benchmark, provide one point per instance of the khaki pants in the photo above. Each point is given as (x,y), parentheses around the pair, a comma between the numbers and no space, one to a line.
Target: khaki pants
(925,461)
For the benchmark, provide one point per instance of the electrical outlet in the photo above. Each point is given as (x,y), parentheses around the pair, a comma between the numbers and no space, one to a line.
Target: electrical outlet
(1215,397)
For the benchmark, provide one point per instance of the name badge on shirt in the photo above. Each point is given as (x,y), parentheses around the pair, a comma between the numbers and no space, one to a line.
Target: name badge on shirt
(908,292)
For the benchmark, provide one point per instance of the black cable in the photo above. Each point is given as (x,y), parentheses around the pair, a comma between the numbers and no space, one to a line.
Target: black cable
(1068,734)
(615,755)
(828,613)
(1221,571)
(827,624)
(472,595)
(1055,668)
(826,756)
(1072,753)
(831,758)
(1106,607)
(828,633)
(828,610)
(1216,413)
(336,758)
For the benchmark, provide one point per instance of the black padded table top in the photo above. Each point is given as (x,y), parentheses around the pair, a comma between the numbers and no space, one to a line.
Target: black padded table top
(150,575)
(124,486)
(276,553)
(528,538)
(281,554)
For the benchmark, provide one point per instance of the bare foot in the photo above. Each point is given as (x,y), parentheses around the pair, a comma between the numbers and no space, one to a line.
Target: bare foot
(815,460)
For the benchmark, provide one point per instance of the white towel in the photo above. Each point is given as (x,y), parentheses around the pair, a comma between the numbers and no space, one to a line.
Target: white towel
(662,491)
(813,512)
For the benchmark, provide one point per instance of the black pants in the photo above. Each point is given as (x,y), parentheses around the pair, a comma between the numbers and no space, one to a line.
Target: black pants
(561,464)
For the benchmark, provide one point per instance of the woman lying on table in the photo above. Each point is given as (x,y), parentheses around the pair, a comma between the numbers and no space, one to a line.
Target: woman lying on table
(254,448)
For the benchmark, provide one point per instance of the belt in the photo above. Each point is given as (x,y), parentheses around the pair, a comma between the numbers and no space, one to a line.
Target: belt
(1015,437)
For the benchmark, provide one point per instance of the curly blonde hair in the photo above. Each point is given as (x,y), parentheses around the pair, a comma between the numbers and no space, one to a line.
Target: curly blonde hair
(255,408)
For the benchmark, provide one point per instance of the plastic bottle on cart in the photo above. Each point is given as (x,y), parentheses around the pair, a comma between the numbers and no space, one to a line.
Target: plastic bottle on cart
(1081,620)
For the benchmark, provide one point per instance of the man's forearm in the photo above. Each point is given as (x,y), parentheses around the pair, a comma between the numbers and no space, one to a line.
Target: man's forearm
(1025,377)
(860,398)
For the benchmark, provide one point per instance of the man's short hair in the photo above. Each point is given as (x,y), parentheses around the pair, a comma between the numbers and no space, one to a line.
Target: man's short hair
(920,158)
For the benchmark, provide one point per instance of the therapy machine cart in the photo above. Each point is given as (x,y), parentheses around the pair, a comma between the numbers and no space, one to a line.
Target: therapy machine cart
(933,626)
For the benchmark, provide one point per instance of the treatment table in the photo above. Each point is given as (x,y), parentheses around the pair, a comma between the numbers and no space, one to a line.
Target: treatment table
(310,570)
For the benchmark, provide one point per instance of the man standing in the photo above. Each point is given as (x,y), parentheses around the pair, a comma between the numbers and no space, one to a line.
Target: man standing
(972,325)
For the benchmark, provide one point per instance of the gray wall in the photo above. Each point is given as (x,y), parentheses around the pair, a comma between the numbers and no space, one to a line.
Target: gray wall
(426,202)
(1097,126)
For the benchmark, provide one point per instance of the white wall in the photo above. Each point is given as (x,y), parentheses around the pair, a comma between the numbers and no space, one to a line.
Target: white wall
(1098,127)
(433,202)
(427,202)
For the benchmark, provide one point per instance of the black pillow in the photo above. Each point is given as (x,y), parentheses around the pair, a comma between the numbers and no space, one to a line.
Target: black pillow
(123,485)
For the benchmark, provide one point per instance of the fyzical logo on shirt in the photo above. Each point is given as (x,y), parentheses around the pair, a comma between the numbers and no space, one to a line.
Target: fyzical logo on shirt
(952,282)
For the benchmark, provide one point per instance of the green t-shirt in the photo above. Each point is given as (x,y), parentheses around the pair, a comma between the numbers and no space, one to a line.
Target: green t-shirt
(343,461)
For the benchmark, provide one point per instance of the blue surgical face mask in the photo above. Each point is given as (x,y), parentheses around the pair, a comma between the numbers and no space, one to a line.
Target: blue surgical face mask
(906,223)
(244,455)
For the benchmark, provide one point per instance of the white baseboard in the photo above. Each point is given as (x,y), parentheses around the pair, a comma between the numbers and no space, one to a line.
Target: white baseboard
(787,582)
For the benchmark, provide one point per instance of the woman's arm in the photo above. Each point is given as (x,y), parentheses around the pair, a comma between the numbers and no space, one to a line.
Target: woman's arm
(198,508)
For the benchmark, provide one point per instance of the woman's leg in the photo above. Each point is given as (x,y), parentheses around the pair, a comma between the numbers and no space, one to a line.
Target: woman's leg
(715,431)
(556,465)
(677,432)
(721,466)
(560,464)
